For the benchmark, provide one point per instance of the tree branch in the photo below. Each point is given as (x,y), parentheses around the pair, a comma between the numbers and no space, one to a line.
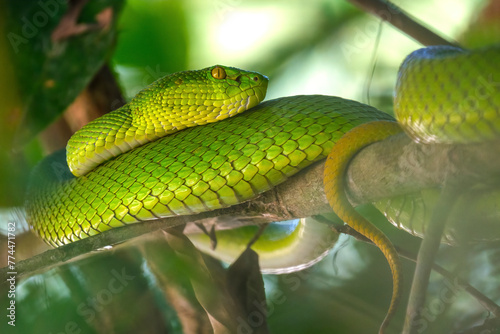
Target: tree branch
(391,13)
(399,166)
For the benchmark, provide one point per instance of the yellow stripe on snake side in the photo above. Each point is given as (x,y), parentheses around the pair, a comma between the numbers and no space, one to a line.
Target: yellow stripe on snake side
(334,181)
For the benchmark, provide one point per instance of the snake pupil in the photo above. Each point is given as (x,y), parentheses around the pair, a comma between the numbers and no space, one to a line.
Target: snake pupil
(218,73)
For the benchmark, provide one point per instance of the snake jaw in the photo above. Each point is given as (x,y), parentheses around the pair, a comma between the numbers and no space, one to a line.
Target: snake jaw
(246,100)
(237,107)
(252,101)
(259,93)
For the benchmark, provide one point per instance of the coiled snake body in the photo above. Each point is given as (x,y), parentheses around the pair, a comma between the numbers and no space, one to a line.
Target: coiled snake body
(124,178)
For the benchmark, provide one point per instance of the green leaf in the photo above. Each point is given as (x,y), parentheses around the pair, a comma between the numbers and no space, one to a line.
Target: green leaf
(52,72)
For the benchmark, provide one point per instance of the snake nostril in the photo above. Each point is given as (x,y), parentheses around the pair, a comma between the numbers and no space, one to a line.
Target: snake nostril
(256,78)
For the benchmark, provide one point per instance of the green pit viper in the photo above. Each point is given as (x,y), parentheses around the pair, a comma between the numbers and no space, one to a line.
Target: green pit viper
(134,165)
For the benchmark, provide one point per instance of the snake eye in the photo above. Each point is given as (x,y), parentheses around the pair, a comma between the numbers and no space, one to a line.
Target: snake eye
(218,73)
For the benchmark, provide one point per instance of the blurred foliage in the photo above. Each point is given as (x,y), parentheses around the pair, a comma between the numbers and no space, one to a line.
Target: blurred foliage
(153,42)
(90,296)
(484,29)
(325,47)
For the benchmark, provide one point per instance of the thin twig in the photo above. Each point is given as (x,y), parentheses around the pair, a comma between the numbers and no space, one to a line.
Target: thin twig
(486,302)
(427,253)
(342,228)
(391,13)
(257,235)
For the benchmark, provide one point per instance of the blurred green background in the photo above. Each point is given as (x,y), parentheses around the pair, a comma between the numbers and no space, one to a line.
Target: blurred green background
(314,47)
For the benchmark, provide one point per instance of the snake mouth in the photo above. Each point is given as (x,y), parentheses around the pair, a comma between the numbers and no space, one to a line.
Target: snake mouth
(256,98)
(249,98)
(261,92)
(255,94)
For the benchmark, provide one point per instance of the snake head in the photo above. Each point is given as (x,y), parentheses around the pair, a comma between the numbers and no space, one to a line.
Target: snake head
(247,88)
(198,97)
